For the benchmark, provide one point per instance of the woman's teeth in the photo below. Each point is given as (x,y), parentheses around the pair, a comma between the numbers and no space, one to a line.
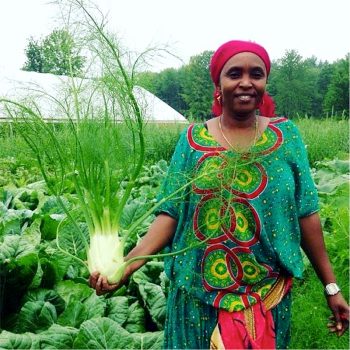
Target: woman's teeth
(244,97)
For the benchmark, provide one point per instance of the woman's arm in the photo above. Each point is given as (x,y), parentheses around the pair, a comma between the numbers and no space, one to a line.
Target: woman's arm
(158,236)
(313,245)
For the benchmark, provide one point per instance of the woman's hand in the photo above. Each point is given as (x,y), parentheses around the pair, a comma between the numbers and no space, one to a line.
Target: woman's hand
(158,236)
(339,321)
(101,285)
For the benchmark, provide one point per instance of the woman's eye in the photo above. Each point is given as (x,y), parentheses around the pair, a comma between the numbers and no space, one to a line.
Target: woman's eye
(234,74)
(257,74)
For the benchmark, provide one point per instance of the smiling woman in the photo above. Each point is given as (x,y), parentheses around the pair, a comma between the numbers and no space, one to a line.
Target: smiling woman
(252,205)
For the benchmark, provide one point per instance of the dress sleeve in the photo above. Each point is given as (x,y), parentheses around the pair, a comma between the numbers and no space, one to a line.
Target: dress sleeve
(172,192)
(306,196)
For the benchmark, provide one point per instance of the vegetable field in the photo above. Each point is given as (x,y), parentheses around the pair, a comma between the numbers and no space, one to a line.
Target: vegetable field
(77,196)
(45,299)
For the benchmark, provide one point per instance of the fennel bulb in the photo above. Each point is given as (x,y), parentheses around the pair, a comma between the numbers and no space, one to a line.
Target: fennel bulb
(105,255)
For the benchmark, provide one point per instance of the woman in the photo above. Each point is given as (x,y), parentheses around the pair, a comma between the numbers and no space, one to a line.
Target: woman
(251,205)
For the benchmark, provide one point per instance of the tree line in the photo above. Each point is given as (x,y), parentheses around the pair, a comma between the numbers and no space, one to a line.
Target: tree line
(299,86)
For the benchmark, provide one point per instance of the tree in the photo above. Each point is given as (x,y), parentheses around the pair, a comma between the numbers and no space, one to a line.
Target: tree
(34,57)
(57,53)
(148,81)
(169,89)
(293,84)
(336,100)
(299,86)
(197,86)
(325,72)
(166,85)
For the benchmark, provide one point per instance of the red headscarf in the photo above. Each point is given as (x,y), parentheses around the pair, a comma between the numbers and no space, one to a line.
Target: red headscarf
(222,55)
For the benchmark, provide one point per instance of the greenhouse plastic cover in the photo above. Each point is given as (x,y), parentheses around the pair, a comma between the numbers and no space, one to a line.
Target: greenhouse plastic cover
(52,96)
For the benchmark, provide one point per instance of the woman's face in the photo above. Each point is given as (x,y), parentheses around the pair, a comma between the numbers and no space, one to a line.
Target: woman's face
(242,83)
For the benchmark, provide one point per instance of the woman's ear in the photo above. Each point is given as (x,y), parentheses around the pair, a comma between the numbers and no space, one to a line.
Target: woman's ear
(216,108)
(218,91)
(217,94)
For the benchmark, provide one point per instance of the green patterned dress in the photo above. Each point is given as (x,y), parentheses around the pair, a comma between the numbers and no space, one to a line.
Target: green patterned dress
(240,213)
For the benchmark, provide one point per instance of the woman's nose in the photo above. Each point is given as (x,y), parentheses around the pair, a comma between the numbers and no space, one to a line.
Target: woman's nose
(245,81)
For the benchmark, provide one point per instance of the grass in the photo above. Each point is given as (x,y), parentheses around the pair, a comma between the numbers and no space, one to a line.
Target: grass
(324,138)
(161,140)
(310,314)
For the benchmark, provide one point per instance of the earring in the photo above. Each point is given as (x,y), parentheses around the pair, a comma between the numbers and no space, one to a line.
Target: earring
(219,99)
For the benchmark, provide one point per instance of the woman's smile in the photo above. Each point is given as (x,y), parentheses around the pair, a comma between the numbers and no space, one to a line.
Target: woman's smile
(245,98)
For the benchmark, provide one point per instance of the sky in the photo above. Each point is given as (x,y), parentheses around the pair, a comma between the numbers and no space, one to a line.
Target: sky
(188,27)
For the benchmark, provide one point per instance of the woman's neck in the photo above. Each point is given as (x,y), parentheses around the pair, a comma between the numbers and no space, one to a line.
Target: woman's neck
(238,122)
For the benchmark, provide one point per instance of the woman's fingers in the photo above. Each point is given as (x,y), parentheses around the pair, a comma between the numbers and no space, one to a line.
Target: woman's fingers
(101,284)
(98,285)
(106,286)
(339,319)
(338,325)
(93,279)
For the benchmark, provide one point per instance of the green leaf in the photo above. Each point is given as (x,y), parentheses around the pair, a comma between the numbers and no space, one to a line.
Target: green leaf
(48,295)
(136,319)
(30,196)
(74,314)
(329,185)
(32,233)
(132,211)
(154,269)
(79,311)
(140,276)
(36,281)
(12,221)
(155,300)
(103,333)
(15,247)
(58,337)
(10,340)
(71,241)
(118,309)
(49,224)
(49,277)
(18,267)
(164,282)
(331,175)
(36,316)
(335,166)
(52,206)
(149,340)
(70,290)
(95,306)
(60,261)
(28,199)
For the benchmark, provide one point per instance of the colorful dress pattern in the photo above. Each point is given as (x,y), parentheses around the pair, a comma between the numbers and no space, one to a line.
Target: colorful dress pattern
(244,211)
